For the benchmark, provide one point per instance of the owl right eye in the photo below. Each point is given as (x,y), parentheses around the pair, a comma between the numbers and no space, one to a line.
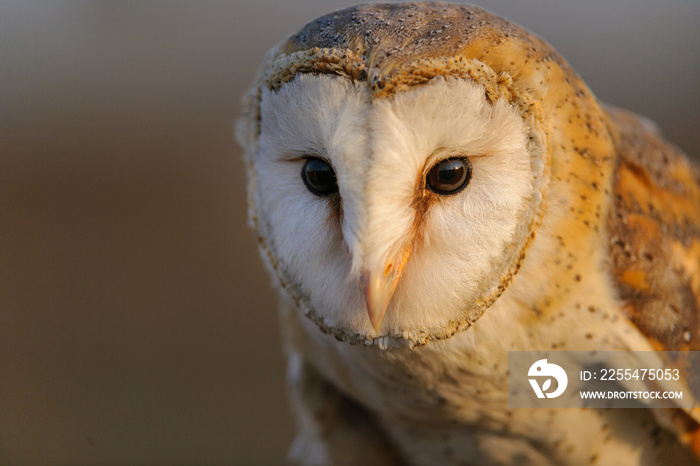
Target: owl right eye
(449,176)
(319,177)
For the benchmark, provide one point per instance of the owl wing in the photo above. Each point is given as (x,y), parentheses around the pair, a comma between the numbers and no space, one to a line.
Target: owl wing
(654,247)
(655,234)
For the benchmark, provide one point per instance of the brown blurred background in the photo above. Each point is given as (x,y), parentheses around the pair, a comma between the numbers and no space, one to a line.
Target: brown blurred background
(136,323)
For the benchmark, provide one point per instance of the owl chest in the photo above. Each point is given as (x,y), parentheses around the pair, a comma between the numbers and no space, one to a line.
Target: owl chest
(460,380)
(436,407)
(437,403)
(427,386)
(449,400)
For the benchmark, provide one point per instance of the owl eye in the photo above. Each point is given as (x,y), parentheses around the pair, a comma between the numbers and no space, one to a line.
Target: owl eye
(449,176)
(319,177)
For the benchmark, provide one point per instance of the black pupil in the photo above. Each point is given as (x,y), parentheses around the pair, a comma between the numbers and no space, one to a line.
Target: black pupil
(319,177)
(449,176)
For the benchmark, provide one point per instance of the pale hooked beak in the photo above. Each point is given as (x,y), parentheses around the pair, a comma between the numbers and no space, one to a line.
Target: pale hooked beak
(379,286)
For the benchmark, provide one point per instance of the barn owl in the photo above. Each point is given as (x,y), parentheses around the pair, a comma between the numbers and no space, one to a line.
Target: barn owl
(432,186)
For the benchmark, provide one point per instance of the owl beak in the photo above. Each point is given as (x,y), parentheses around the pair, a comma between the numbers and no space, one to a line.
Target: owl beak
(379,286)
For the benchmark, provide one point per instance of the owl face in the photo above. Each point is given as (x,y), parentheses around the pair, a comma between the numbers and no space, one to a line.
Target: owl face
(402,216)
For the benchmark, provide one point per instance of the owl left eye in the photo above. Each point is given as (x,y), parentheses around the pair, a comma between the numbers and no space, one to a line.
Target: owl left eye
(319,177)
(449,176)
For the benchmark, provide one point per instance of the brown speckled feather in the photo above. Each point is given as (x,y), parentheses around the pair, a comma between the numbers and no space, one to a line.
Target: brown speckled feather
(655,245)
(655,235)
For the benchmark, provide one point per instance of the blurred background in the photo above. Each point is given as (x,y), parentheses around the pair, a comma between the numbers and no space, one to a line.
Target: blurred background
(137,325)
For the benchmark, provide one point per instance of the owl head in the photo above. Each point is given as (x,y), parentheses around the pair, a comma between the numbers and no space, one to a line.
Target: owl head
(400,159)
